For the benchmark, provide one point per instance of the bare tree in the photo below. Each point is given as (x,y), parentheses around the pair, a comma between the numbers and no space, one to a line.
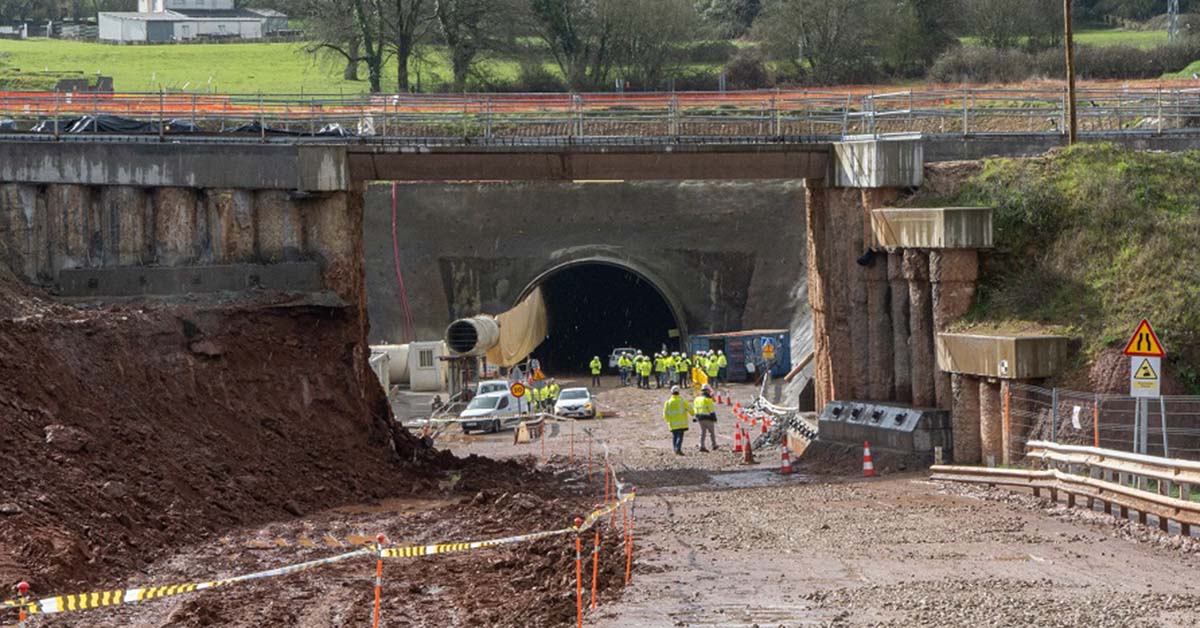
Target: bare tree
(580,37)
(356,36)
(408,22)
(472,27)
(828,40)
(648,37)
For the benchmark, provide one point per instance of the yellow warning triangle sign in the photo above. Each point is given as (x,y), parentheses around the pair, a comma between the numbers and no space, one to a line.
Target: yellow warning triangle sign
(1144,342)
(1146,372)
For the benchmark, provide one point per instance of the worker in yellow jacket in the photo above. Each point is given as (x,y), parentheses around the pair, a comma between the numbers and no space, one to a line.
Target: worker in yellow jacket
(675,413)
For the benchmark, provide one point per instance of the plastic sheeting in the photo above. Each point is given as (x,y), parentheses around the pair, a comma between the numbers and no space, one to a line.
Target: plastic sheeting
(522,329)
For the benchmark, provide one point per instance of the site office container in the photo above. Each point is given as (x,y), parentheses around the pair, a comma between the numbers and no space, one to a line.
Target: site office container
(426,369)
(745,347)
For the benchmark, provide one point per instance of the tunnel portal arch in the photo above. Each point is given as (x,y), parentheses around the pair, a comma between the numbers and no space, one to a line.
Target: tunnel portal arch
(593,265)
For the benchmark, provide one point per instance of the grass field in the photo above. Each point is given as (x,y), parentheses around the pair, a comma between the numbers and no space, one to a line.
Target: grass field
(1109,37)
(229,68)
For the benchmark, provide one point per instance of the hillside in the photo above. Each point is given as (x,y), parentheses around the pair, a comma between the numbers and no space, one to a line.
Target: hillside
(1090,240)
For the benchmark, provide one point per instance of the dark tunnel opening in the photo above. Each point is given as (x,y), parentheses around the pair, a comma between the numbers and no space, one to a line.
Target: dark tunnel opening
(595,308)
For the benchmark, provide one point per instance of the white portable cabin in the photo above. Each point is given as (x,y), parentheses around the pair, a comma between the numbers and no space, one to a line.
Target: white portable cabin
(397,362)
(426,372)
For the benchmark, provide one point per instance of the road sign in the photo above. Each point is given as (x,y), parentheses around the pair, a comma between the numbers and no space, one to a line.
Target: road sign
(517,389)
(1145,376)
(768,348)
(1144,342)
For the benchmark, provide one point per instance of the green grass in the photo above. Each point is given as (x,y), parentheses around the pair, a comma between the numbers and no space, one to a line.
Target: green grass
(230,68)
(1091,240)
(1106,37)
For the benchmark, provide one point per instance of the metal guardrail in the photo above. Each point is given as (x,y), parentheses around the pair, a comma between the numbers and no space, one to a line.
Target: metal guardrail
(703,116)
(1147,485)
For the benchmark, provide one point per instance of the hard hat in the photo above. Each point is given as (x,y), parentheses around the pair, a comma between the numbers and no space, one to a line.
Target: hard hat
(720,352)
(706,388)
(674,390)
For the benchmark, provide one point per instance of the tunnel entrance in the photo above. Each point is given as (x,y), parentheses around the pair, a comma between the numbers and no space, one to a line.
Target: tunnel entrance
(595,307)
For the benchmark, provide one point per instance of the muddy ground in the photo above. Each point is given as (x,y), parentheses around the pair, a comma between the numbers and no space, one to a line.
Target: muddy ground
(719,543)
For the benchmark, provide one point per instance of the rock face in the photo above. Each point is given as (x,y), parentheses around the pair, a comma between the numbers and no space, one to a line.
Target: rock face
(67,439)
(965,419)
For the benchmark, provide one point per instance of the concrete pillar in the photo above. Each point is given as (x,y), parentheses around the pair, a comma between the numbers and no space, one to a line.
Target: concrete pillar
(843,285)
(964,419)
(230,225)
(816,214)
(331,234)
(124,215)
(852,247)
(175,226)
(898,292)
(280,229)
(920,318)
(952,273)
(991,421)
(70,226)
(881,369)
(23,230)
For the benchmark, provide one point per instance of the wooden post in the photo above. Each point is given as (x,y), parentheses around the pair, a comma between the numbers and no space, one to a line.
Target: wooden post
(1072,121)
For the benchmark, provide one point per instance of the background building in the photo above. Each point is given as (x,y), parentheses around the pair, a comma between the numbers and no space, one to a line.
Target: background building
(162,21)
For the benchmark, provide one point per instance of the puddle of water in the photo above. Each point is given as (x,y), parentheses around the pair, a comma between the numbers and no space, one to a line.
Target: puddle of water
(755,478)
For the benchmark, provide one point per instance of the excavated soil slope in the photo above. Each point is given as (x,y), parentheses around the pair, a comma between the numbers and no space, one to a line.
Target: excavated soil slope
(128,430)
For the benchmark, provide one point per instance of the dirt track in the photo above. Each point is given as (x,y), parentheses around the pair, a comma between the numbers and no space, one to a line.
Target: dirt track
(719,544)
(723,544)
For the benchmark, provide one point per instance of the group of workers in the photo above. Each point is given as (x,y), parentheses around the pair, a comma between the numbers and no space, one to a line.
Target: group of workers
(543,398)
(667,369)
(704,410)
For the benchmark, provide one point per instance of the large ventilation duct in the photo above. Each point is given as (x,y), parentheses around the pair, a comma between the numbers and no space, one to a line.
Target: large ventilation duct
(473,336)
(507,339)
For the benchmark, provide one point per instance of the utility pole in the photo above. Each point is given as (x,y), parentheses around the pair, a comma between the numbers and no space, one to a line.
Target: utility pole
(1072,121)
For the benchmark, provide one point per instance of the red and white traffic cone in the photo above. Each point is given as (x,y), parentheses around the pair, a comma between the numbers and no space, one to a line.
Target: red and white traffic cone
(764,425)
(868,462)
(728,400)
(737,439)
(748,452)
(785,465)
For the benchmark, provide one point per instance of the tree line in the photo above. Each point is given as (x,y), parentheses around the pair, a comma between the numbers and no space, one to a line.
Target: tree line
(650,44)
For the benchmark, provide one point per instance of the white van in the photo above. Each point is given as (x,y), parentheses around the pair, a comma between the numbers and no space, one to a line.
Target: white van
(492,412)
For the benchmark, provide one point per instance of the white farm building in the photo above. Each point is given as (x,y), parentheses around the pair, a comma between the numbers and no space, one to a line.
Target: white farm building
(166,21)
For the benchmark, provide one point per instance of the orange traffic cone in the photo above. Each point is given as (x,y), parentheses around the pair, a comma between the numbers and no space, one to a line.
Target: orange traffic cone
(737,440)
(764,425)
(868,462)
(748,452)
(785,465)
(728,400)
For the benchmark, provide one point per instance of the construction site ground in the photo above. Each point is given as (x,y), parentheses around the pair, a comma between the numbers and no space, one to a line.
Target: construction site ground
(723,543)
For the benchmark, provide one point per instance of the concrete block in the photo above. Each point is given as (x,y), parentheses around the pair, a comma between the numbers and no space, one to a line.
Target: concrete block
(1003,356)
(879,163)
(933,228)
(322,169)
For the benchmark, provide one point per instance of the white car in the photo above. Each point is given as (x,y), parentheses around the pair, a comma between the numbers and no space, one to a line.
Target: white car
(491,412)
(616,353)
(491,386)
(575,403)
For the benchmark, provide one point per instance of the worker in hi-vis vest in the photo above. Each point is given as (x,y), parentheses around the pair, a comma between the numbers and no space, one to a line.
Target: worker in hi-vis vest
(675,413)
(660,370)
(595,367)
(706,415)
(722,363)
(712,369)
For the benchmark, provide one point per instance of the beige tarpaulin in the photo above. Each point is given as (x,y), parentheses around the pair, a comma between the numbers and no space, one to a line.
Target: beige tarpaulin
(522,329)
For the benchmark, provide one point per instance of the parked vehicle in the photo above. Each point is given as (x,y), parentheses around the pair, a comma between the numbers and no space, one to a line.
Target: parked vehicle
(491,412)
(616,353)
(491,386)
(575,403)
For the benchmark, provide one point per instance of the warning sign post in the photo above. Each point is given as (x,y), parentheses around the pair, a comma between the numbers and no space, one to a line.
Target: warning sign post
(1145,361)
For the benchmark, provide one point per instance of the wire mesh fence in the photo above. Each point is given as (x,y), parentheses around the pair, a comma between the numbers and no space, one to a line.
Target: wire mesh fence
(763,116)
(1166,426)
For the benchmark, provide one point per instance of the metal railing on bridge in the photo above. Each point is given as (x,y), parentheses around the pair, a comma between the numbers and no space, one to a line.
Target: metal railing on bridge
(759,116)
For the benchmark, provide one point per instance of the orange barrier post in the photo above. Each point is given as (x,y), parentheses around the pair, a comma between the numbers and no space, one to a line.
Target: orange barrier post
(578,575)
(23,597)
(607,480)
(1096,422)
(595,562)
(380,540)
(629,543)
